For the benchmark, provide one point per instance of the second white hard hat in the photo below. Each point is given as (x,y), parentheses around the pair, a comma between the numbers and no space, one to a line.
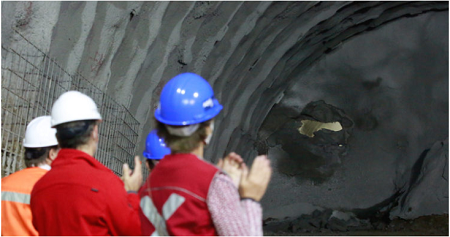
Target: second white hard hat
(74,106)
(39,133)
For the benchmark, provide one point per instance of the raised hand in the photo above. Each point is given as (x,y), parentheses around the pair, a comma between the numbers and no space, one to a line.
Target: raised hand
(132,179)
(254,183)
(232,166)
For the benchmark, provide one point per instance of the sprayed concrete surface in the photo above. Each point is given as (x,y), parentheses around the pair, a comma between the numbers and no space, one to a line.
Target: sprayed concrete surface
(379,69)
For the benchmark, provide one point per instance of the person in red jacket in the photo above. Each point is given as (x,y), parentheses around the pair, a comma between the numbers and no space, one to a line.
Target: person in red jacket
(41,148)
(79,195)
(190,196)
(155,150)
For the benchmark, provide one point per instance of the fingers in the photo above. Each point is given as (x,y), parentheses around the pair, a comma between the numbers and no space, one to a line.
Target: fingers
(244,171)
(228,162)
(254,182)
(261,164)
(126,171)
(220,163)
(137,165)
(260,171)
(132,178)
(235,157)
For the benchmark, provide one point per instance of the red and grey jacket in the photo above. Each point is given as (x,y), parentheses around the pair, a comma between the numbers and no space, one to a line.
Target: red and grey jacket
(179,188)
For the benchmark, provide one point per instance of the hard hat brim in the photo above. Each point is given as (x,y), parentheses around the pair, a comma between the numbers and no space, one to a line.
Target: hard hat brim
(211,113)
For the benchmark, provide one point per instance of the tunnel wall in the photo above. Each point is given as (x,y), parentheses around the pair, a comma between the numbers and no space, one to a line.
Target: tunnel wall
(392,83)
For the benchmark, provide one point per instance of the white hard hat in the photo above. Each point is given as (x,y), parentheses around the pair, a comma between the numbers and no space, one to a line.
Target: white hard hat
(74,106)
(39,133)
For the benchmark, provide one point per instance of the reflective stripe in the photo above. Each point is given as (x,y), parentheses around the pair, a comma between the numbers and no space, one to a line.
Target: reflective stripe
(169,207)
(16,197)
(182,190)
(150,211)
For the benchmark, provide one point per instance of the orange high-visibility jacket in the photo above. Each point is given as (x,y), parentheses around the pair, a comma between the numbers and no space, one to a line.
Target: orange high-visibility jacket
(16,212)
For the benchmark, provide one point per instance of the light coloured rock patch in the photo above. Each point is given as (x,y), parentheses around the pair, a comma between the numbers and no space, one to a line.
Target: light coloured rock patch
(309,127)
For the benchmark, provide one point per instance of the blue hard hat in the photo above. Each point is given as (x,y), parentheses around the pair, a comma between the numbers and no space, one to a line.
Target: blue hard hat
(187,99)
(155,148)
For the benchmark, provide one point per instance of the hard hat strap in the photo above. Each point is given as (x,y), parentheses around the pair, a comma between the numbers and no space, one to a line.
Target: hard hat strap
(182,131)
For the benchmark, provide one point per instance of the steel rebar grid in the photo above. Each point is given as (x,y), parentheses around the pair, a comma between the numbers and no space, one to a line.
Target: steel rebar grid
(31,82)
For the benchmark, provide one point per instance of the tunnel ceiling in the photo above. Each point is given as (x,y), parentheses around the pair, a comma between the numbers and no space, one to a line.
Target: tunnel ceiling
(256,55)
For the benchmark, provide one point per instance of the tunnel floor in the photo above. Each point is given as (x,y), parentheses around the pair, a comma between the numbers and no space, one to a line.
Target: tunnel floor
(434,225)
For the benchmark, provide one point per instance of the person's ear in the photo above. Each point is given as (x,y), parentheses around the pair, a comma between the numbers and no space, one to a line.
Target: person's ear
(52,154)
(95,132)
(208,130)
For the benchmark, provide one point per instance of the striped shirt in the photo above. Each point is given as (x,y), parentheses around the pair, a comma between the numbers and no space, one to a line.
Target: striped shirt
(232,216)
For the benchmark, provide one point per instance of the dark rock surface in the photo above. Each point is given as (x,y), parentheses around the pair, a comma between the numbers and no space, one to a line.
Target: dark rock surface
(397,115)
(434,225)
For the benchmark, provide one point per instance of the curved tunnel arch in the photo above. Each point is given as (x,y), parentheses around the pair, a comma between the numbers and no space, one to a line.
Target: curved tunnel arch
(320,44)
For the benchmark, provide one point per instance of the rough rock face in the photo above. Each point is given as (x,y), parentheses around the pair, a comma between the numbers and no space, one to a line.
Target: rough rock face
(428,189)
(382,65)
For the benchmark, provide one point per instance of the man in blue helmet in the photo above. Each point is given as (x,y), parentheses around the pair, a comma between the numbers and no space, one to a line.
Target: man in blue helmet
(155,150)
(190,196)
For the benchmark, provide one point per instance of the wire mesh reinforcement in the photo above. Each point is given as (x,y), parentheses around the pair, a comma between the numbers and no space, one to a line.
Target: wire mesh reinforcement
(31,82)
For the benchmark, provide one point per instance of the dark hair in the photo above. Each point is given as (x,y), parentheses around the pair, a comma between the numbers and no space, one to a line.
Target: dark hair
(151,163)
(74,134)
(179,144)
(37,156)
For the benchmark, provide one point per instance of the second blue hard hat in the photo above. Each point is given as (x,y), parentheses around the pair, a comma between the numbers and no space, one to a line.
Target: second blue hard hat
(187,99)
(155,148)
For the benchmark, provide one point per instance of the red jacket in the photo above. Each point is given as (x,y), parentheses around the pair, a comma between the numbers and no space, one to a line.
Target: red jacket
(16,212)
(80,196)
(179,188)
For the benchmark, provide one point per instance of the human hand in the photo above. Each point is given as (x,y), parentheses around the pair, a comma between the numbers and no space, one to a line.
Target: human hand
(231,165)
(132,179)
(254,183)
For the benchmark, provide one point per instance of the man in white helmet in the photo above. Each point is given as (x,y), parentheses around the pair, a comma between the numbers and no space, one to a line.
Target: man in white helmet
(41,148)
(79,195)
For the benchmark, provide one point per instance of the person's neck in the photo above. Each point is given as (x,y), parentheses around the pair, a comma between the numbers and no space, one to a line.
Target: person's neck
(198,151)
(88,148)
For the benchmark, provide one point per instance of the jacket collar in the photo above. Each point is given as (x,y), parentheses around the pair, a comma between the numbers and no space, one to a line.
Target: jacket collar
(67,156)
(45,167)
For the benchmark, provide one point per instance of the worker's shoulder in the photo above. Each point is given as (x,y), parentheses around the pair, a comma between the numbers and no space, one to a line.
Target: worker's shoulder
(76,181)
(107,176)
(100,176)
(23,178)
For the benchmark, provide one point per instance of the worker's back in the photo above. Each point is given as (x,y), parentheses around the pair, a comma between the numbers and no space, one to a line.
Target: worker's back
(179,188)
(80,196)
(16,212)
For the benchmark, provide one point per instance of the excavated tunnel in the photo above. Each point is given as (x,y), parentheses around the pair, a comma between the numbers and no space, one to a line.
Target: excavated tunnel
(348,99)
